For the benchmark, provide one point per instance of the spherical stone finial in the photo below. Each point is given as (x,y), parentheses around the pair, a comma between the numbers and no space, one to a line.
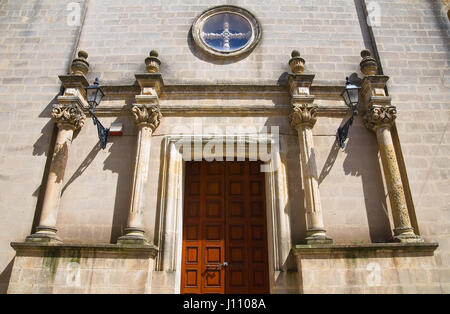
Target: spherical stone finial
(152,62)
(368,65)
(79,65)
(365,53)
(296,63)
(82,54)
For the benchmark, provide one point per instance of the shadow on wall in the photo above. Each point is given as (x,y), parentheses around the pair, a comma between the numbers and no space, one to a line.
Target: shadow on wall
(361,160)
(83,166)
(120,161)
(329,163)
(442,20)
(361,151)
(5,276)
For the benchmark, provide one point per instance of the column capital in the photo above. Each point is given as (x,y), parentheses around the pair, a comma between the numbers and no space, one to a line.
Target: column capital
(447,7)
(303,115)
(147,115)
(380,116)
(68,116)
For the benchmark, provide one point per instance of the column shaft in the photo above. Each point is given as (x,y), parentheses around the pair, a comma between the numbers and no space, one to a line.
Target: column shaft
(147,118)
(394,184)
(314,219)
(303,118)
(55,178)
(135,223)
(46,231)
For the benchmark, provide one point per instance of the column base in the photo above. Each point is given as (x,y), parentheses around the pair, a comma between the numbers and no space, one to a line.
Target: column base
(406,235)
(133,236)
(317,236)
(318,240)
(44,234)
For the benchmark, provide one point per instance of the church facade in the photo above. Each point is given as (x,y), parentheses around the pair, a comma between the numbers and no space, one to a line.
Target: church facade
(295,146)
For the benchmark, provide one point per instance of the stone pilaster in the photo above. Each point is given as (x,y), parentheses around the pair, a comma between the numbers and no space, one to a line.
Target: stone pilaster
(147,117)
(69,117)
(303,118)
(379,117)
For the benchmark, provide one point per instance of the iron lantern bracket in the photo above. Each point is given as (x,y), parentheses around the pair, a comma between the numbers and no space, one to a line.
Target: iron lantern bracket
(342,132)
(103,133)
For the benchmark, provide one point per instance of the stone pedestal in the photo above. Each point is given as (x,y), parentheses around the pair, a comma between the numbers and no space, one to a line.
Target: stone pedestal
(44,268)
(147,117)
(367,268)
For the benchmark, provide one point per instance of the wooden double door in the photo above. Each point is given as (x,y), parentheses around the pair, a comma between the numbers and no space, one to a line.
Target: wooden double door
(224,229)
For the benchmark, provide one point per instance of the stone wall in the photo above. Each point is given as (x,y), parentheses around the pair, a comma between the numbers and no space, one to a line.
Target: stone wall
(118,35)
(413,42)
(36,46)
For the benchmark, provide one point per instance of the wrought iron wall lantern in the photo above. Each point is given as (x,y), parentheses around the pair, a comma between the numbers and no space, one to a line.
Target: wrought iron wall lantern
(351,98)
(94,95)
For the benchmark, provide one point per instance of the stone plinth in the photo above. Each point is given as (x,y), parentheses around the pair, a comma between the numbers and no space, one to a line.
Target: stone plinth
(367,268)
(78,268)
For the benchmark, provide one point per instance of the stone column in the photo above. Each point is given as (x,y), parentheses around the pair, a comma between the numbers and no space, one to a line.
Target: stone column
(147,116)
(68,117)
(379,118)
(303,117)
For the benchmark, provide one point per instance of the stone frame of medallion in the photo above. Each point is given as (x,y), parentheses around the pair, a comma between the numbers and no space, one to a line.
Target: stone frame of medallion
(247,15)
(171,209)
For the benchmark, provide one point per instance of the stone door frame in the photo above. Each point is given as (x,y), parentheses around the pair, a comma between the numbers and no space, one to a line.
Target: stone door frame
(170,236)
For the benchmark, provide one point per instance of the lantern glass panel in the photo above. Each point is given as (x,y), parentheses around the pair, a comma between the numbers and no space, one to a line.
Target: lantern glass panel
(346,97)
(91,94)
(99,96)
(354,96)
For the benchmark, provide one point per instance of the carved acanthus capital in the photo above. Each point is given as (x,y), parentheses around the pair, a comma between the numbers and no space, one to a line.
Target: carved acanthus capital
(378,116)
(69,115)
(147,115)
(303,115)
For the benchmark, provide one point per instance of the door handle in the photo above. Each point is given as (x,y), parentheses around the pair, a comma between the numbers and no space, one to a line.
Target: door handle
(217,266)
